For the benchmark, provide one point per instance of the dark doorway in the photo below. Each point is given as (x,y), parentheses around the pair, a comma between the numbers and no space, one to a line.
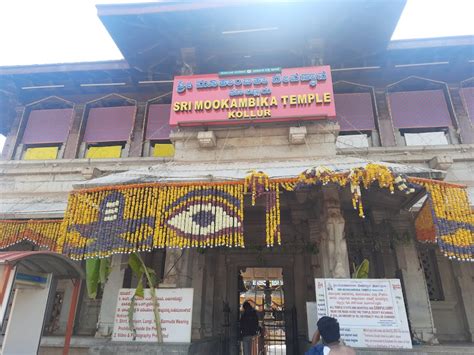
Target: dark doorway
(263,288)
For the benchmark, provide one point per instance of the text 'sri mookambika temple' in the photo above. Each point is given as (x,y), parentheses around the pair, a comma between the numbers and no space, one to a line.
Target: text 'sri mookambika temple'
(285,154)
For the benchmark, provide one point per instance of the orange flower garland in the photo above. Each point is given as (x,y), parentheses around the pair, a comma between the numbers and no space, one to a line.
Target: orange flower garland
(425,228)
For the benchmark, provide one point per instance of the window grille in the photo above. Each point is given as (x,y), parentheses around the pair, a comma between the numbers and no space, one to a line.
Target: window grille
(430,267)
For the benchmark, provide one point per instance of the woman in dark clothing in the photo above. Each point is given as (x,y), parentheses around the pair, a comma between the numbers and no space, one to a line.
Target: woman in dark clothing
(248,327)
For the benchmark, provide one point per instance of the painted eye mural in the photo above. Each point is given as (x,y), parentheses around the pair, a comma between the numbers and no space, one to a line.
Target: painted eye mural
(112,231)
(101,223)
(201,216)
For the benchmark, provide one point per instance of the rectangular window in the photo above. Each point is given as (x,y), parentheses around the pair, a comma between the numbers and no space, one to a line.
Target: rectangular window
(419,109)
(354,112)
(163,150)
(352,141)
(47,126)
(104,152)
(158,126)
(40,153)
(109,124)
(426,138)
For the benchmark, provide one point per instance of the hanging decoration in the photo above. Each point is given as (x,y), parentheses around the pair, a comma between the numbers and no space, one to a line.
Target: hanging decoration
(209,215)
(425,229)
(100,223)
(134,218)
(356,177)
(257,183)
(452,218)
(125,219)
(272,215)
(42,233)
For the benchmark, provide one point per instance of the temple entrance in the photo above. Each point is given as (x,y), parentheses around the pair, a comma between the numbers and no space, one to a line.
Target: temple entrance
(263,288)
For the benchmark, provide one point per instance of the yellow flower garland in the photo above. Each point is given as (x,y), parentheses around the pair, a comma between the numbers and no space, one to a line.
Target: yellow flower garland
(122,219)
(452,217)
(43,233)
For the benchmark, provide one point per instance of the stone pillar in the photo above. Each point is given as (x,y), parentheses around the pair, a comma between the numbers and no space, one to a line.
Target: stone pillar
(416,293)
(315,260)
(114,283)
(333,247)
(136,140)
(386,131)
(197,275)
(466,131)
(73,141)
(464,273)
(176,268)
(186,268)
(208,294)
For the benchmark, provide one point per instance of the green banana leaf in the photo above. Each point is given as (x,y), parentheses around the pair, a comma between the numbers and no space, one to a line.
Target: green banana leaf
(92,277)
(104,270)
(135,263)
(362,271)
(97,272)
(139,269)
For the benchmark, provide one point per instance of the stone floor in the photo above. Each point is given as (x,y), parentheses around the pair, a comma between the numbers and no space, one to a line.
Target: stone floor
(461,349)
(80,346)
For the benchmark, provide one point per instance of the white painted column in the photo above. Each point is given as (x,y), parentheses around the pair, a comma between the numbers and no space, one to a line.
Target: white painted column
(114,283)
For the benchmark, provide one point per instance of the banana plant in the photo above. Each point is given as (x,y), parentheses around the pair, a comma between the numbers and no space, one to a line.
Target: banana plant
(362,271)
(139,269)
(97,272)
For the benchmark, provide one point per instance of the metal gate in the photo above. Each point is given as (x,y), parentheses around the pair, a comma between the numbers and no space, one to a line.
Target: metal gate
(274,333)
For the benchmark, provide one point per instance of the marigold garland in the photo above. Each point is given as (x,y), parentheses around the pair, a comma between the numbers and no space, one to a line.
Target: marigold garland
(123,219)
(425,228)
(356,177)
(43,233)
(452,218)
(143,217)
(257,183)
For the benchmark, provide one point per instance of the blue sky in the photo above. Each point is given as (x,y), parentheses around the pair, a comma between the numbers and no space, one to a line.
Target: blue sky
(30,30)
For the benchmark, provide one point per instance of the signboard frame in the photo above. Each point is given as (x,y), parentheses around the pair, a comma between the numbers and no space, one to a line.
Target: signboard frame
(371,312)
(176,323)
(293,94)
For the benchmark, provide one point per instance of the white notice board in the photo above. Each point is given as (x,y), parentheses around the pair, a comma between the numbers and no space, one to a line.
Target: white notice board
(371,312)
(175,308)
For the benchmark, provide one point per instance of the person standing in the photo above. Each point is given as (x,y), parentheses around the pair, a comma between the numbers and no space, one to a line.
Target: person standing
(248,327)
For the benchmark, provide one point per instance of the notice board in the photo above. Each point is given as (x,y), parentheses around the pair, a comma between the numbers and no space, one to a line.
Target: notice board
(371,312)
(175,308)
